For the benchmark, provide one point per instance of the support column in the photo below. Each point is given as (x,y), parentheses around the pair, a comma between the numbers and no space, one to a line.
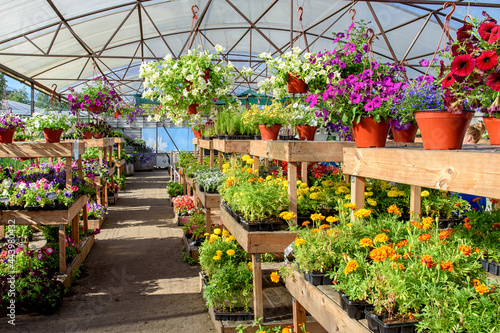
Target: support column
(304,172)
(62,250)
(292,189)
(415,202)
(299,316)
(258,301)
(358,192)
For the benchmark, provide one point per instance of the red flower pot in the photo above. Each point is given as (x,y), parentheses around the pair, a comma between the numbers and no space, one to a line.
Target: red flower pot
(6,136)
(369,133)
(52,136)
(296,85)
(87,135)
(493,127)
(441,129)
(193,109)
(197,134)
(98,136)
(205,76)
(94,108)
(117,114)
(269,133)
(306,132)
(407,135)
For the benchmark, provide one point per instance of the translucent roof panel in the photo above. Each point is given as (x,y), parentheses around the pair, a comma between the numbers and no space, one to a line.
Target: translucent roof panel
(59,41)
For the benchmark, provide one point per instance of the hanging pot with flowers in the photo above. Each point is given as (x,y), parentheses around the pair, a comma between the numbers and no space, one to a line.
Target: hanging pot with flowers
(9,122)
(97,97)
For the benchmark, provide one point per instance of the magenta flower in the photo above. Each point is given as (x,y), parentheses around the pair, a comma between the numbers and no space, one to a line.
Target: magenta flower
(355,98)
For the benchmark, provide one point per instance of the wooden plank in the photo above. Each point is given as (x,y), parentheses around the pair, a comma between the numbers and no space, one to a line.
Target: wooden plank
(118,140)
(358,192)
(69,275)
(299,315)
(62,249)
(258,303)
(99,143)
(304,172)
(259,241)
(292,189)
(69,172)
(212,158)
(75,234)
(77,206)
(232,146)
(415,201)
(206,144)
(37,150)
(446,170)
(329,314)
(208,200)
(300,151)
(208,220)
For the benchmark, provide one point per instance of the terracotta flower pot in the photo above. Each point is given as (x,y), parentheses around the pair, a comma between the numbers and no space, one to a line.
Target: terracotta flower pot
(306,132)
(6,136)
(118,114)
(87,135)
(493,127)
(52,136)
(407,135)
(94,108)
(269,133)
(205,76)
(368,133)
(98,136)
(193,109)
(296,85)
(197,134)
(441,129)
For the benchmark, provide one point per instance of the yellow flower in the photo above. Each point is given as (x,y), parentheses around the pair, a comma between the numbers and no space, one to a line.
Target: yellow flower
(287,215)
(350,205)
(299,182)
(331,219)
(250,266)
(206,234)
(230,238)
(343,189)
(275,277)
(381,238)
(427,222)
(243,169)
(306,190)
(219,253)
(314,196)
(300,191)
(317,217)
(392,194)
(269,177)
(217,231)
(225,233)
(250,161)
(299,241)
(249,170)
(216,258)
(351,267)
(285,330)
(424,193)
(230,252)
(245,157)
(347,197)
(303,185)
(362,213)
(225,165)
(365,242)
(371,202)
(481,289)
(349,225)
(212,239)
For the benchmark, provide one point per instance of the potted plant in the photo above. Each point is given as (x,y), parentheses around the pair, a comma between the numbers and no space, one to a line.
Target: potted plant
(100,129)
(52,123)
(9,122)
(187,84)
(304,119)
(85,129)
(361,91)
(472,79)
(293,72)
(208,180)
(22,135)
(99,96)
(196,129)
(269,118)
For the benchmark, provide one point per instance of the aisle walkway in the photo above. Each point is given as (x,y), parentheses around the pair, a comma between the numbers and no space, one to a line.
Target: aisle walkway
(134,279)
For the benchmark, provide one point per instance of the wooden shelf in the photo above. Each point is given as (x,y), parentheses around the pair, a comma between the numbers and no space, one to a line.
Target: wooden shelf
(36,149)
(300,151)
(258,241)
(120,163)
(100,143)
(232,146)
(206,144)
(472,170)
(322,302)
(208,200)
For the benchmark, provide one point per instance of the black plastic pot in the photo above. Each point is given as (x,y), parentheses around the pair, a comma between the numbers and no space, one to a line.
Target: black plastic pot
(234,316)
(222,137)
(370,319)
(257,137)
(355,310)
(317,279)
(406,327)
(493,268)
(32,208)
(484,263)
(250,226)
(15,207)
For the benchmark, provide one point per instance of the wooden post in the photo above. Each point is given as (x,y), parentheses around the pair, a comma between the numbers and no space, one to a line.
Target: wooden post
(62,250)
(266,162)
(75,225)
(415,202)
(212,156)
(100,155)
(208,219)
(98,190)
(258,301)
(2,231)
(200,154)
(304,172)
(358,192)
(299,316)
(292,189)
(256,163)
(69,171)
(85,220)
(221,160)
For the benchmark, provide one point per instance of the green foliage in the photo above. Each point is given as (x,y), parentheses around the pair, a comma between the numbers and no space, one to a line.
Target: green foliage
(174,189)
(19,95)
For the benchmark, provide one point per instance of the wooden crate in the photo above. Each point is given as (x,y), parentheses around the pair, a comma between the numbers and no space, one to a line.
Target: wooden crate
(69,275)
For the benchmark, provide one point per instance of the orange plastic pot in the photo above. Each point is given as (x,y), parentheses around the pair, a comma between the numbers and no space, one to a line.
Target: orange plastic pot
(87,135)
(269,133)
(368,133)
(296,85)
(197,134)
(193,109)
(118,114)
(407,135)
(441,129)
(52,136)
(6,136)
(306,132)
(98,136)
(493,127)
(94,109)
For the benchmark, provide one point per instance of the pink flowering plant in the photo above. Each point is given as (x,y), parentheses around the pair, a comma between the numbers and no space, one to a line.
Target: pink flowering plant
(99,93)
(358,84)
(184,204)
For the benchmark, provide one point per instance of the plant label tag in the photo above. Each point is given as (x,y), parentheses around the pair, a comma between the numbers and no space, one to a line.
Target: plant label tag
(289,249)
(76,151)
(52,196)
(4,199)
(192,243)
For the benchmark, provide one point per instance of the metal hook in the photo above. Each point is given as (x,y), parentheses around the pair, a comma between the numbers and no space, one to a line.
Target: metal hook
(194,13)
(446,5)
(301,12)
(468,16)
(55,87)
(372,35)
(353,15)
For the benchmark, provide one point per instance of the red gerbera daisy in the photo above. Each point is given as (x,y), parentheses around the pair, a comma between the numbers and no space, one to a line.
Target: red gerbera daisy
(495,35)
(493,81)
(487,60)
(462,65)
(464,32)
(485,30)
(448,80)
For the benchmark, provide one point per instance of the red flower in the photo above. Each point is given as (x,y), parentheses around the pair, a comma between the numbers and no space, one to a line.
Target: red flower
(462,65)
(487,60)
(448,81)
(485,30)
(495,35)
(493,81)
(451,103)
(464,32)
(463,48)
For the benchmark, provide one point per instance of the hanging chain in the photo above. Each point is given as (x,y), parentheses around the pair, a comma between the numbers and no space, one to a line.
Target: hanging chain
(300,30)
(53,97)
(195,29)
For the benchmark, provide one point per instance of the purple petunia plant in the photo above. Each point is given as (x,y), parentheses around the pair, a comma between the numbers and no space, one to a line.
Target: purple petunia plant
(10,121)
(358,84)
(100,93)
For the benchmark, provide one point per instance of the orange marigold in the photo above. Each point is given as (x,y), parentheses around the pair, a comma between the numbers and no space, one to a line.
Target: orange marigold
(424,237)
(446,266)
(305,223)
(427,222)
(477,250)
(365,242)
(381,238)
(481,289)
(427,260)
(496,225)
(324,226)
(397,266)
(467,225)
(381,253)
(401,243)
(465,250)
(229,182)
(385,230)
(476,199)
(476,282)
(444,234)
(315,231)
(351,266)
(393,209)
(362,213)
(417,224)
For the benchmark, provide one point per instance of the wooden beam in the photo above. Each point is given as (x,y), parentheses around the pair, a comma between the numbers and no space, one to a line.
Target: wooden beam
(292,190)
(258,301)
(299,316)
(415,202)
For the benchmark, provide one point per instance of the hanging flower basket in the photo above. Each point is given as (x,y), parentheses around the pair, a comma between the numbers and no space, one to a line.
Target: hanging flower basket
(493,127)
(118,114)
(94,108)
(441,129)
(7,135)
(296,85)
(269,132)
(369,133)
(306,132)
(193,109)
(407,135)
(52,136)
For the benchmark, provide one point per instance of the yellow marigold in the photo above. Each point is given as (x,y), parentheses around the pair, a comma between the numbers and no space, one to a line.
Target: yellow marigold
(303,185)
(230,239)
(269,177)
(299,241)
(216,258)
(343,189)
(365,242)
(424,237)
(250,161)
(287,215)
(362,213)
(481,289)
(306,190)
(250,267)
(219,253)
(275,277)
(347,197)
(371,202)
(349,225)
(351,267)
(331,219)
(285,330)
(424,193)
(260,180)
(476,282)
(225,165)
(315,231)
(324,226)
(417,224)
(317,217)
(427,222)
(225,233)
(212,239)
(446,266)
(381,238)
(381,253)
(327,183)
(217,231)
(314,196)
(331,231)
(393,194)
(230,252)
(245,157)
(465,250)
(401,243)
(229,182)
(350,205)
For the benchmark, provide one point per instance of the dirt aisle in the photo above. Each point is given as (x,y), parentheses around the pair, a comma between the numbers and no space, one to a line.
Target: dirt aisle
(134,279)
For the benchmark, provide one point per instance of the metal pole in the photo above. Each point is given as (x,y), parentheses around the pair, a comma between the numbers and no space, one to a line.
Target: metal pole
(32,98)
(291,24)
(170,136)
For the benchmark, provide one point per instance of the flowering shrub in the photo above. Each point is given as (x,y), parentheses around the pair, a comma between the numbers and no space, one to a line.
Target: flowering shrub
(95,211)
(266,115)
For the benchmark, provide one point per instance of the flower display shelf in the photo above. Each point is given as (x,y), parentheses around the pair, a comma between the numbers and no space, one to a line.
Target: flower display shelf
(94,224)
(323,303)
(121,163)
(56,217)
(256,243)
(473,170)
(72,269)
(209,201)
(199,145)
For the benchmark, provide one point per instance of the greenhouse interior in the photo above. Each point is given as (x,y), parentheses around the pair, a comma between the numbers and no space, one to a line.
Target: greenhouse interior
(238,166)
